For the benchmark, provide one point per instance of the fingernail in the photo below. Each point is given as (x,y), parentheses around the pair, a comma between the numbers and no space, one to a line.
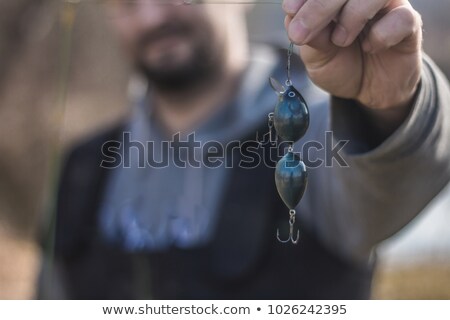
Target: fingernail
(298,32)
(340,35)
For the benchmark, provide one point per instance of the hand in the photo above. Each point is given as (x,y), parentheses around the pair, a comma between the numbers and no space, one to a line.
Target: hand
(366,50)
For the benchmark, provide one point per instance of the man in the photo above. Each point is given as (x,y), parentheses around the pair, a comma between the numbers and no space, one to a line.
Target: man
(127,229)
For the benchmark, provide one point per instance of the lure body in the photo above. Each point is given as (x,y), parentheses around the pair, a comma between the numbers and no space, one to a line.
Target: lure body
(291,115)
(291,179)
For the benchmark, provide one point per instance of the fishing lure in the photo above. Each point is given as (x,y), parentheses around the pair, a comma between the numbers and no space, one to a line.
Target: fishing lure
(291,121)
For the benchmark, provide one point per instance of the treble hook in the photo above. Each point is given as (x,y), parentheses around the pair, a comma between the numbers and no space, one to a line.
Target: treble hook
(291,230)
(260,142)
(272,136)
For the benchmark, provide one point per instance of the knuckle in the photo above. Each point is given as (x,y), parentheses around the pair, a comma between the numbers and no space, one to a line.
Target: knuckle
(355,16)
(313,13)
(409,17)
(411,20)
(319,4)
(316,8)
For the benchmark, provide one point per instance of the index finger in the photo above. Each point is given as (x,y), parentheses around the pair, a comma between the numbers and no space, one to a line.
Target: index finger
(312,17)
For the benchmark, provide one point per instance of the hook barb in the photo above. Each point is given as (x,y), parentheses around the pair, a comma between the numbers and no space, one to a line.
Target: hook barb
(278,237)
(291,236)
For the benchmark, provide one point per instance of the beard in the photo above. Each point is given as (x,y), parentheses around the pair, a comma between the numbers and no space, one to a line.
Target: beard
(203,64)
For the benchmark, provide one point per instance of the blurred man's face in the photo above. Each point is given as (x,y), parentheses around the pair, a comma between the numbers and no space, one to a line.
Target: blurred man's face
(173,45)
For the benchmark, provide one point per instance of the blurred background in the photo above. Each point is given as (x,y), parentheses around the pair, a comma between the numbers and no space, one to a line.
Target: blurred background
(34,48)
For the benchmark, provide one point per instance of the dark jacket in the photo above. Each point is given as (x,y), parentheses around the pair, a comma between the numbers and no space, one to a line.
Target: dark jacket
(243,261)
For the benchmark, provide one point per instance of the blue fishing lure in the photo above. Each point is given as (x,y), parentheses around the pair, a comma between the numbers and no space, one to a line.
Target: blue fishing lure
(291,121)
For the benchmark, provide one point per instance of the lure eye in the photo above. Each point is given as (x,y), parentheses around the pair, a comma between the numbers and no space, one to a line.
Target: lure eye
(291,94)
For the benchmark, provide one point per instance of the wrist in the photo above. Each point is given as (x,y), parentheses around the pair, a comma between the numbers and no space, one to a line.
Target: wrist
(385,120)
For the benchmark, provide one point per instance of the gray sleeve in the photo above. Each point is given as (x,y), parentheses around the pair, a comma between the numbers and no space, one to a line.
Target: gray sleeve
(383,189)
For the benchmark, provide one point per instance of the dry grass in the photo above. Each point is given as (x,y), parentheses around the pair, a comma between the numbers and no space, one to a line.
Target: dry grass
(417,282)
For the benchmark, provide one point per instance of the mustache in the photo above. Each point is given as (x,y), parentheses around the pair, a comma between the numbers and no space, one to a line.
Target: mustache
(169,29)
